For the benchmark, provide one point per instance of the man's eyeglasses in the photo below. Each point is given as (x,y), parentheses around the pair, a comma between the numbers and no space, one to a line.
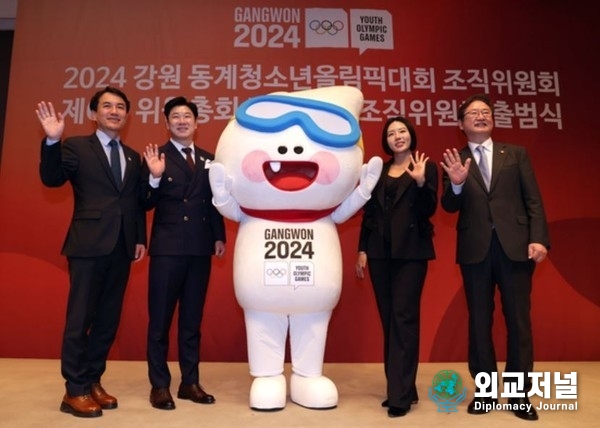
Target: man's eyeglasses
(474,113)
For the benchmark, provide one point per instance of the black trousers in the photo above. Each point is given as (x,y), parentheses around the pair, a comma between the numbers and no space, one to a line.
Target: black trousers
(514,284)
(398,285)
(176,280)
(97,288)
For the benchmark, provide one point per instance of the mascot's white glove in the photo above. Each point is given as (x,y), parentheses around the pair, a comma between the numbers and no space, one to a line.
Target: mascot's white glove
(369,176)
(220,184)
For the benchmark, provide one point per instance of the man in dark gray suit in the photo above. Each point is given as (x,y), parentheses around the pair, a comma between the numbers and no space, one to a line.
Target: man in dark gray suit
(107,232)
(186,231)
(501,234)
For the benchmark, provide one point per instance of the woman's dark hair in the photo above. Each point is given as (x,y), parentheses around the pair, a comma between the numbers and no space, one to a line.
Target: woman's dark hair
(411,131)
(96,98)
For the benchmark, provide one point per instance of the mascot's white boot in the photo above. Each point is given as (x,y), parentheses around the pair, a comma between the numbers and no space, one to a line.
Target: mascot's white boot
(268,393)
(313,392)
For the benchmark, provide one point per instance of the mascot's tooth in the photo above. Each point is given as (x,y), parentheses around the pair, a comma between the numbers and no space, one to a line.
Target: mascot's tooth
(275,166)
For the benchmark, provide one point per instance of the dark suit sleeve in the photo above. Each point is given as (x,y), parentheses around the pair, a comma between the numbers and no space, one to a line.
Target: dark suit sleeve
(217,223)
(149,195)
(427,195)
(141,230)
(216,219)
(368,222)
(538,226)
(58,163)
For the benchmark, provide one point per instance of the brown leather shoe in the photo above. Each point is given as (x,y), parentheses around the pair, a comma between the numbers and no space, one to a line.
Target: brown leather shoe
(82,406)
(160,398)
(100,396)
(194,393)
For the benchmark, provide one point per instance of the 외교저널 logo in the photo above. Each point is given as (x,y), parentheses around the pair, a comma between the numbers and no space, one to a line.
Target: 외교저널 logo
(447,391)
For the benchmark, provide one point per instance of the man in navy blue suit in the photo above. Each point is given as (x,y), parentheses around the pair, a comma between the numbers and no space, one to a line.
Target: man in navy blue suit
(501,234)
(186,231)
(107,232)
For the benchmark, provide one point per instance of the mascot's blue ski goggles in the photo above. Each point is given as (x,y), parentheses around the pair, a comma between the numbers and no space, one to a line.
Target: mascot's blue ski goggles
(325,123)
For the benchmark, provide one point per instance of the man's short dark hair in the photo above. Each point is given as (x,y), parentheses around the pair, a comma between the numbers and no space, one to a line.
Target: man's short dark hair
(111,90)
(180,101)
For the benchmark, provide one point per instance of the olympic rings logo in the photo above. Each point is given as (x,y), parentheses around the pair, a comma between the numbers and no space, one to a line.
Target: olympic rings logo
(276,273)
(326,26)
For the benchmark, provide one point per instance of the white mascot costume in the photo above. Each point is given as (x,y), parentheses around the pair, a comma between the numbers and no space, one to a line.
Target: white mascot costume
(288,167)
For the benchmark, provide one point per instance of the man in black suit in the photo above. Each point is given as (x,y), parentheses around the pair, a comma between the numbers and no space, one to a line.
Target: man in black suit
(107,232)
(186,231)
(501,234)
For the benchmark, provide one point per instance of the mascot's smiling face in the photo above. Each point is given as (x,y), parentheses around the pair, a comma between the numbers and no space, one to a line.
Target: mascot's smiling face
(294,150)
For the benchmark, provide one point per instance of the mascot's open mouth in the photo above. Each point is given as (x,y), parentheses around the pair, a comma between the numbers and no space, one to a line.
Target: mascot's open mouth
(290,176)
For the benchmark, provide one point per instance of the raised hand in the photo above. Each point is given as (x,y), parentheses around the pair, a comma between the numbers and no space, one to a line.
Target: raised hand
(457,172)
(154,160)
(53,123)
(418,162)
(369,176)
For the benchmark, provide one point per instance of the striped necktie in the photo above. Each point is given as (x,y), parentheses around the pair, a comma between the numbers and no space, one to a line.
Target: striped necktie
(188,157)
(484,168)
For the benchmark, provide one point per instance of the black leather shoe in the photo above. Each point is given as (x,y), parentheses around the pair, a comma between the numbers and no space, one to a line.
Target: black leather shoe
(394,412)
(478,405)
(386,403)
(524,409)
(160,398)
(194,393)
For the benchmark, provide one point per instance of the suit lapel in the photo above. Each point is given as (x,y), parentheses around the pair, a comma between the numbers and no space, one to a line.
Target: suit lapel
(381,184)
(200,160)
(177,159)
(473,168)
(98,150)
(129,156)
(200,173)
(402,185)
(499,156)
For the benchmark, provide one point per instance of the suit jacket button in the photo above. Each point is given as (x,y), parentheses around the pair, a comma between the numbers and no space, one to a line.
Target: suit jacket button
(185,218)
(185,200)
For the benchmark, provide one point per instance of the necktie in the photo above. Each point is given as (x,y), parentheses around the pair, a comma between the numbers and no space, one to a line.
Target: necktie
(115,162)
(484,168)
(188,157)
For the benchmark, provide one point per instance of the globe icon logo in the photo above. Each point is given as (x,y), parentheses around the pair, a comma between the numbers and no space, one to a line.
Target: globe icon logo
(447,390)
(447,384)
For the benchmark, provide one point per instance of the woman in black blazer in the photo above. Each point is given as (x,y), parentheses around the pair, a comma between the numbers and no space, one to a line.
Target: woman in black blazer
(396,238)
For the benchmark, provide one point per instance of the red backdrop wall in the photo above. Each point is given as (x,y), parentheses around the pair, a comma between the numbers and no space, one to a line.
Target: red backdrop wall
(537,59)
